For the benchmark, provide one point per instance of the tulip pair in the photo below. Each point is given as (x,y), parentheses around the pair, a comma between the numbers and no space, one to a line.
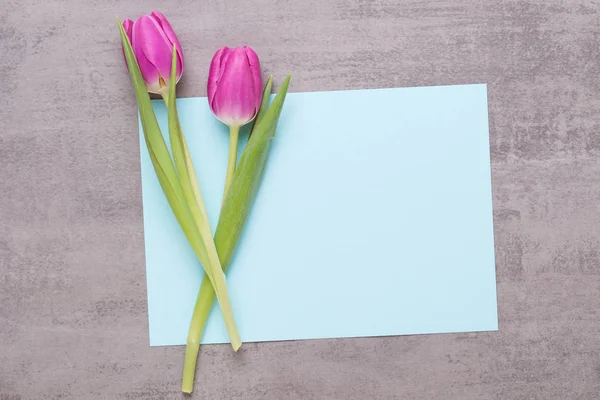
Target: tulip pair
(155,61)
(234,81)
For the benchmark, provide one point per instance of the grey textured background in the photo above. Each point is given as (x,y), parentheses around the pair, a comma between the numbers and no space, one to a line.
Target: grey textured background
(72,286)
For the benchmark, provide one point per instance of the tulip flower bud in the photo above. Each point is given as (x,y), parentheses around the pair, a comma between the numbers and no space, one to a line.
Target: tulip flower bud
(152,40)
(235,85)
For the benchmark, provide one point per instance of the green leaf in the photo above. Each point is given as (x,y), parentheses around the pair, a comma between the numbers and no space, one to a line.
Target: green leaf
(264,104)
(191,190)
(166,172)
(247,178)
(150,126)
(157,148)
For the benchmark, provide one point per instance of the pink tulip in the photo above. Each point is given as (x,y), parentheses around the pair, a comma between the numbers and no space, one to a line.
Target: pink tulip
(235,85)
(152,40)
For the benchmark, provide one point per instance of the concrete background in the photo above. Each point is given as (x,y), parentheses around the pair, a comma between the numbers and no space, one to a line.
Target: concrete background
(72,286)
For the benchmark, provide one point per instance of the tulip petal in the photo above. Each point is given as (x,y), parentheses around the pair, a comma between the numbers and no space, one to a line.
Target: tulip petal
(128,27)
(255,69)
(149,71)
(155,45)
(214,74)
(166,27)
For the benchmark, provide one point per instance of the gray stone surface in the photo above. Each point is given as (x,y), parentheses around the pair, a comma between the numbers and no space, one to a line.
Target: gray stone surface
(72,286)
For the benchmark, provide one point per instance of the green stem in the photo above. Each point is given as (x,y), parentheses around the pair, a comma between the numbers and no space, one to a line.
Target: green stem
(234,133)
(189,366)
(206,294)
(204,302)
(230,225)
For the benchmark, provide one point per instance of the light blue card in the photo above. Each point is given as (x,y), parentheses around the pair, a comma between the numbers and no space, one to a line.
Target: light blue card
(374,218)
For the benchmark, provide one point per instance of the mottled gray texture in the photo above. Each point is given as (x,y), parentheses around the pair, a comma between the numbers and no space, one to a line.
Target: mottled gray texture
(72,286)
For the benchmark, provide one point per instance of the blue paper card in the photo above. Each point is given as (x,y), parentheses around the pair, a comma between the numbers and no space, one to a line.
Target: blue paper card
(374,218)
